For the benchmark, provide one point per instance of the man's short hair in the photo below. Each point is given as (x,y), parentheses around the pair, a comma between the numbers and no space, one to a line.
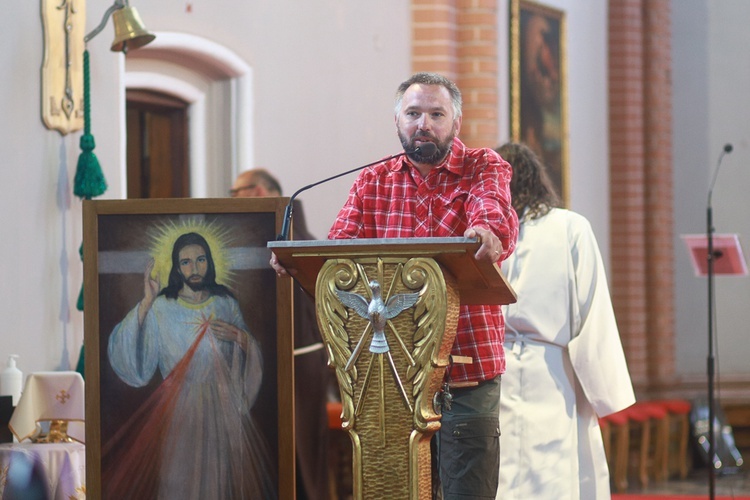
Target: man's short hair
(263,176)
(431,79)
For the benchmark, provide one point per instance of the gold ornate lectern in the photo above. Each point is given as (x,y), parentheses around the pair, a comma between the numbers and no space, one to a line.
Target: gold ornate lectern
(388,310)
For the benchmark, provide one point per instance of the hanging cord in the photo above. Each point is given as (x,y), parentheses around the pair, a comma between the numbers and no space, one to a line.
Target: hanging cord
(89,180)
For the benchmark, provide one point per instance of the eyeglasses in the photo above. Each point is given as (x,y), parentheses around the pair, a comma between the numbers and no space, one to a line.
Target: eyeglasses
(235,191)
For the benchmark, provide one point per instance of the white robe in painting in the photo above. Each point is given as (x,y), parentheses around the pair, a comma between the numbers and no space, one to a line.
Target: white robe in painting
(565,364)
(208,446)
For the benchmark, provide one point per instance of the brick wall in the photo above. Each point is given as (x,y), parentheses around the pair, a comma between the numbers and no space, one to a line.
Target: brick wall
(659,188)
(434,37)
(458,38)
(478,71)
(641,187)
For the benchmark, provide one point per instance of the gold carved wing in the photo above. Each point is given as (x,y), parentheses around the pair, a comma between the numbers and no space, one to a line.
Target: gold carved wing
(422,333)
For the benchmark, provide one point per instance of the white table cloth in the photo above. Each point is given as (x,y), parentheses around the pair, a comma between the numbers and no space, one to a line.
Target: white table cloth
(60,467)
(49,396)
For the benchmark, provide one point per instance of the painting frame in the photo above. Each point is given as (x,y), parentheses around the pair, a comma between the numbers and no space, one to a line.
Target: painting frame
(119,236)
(538,87)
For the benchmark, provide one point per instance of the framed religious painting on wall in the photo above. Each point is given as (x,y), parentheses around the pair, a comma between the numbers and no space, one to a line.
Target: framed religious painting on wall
(538,86)
(189,352)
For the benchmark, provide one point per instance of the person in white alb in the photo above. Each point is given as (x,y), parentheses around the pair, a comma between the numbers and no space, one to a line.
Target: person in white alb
(565,362)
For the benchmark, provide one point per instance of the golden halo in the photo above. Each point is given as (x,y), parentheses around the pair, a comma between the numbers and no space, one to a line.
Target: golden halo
(163,238)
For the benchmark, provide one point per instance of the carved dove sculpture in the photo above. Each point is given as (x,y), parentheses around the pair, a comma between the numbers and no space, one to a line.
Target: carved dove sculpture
(377,311)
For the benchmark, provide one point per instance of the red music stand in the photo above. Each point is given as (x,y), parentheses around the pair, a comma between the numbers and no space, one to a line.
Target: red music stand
(728,257)
(721,254)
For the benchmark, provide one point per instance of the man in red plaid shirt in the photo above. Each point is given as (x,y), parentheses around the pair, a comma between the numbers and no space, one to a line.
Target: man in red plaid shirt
(450,191)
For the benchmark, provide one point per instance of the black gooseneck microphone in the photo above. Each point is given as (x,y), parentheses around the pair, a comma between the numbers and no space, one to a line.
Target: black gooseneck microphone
(711,257)
(427,149)
(727,149)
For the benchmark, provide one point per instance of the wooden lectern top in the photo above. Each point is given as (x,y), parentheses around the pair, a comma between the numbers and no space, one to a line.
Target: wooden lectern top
(477,282)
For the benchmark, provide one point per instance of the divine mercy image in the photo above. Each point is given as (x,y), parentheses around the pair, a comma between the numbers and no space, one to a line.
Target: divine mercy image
(194,437)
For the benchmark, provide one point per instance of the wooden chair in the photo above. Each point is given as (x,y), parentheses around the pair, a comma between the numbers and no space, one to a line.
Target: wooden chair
(676,459)
(607,440)
(617,446)
(648,421)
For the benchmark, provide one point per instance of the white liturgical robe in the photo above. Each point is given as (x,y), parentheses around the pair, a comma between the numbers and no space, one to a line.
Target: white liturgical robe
(565,364)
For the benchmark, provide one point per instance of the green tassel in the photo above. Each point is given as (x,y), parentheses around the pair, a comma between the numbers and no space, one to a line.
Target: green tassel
(79,304)
(80,366)
(89,179)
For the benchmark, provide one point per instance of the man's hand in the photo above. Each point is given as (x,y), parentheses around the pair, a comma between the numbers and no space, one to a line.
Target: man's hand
(490,248)
(281,271)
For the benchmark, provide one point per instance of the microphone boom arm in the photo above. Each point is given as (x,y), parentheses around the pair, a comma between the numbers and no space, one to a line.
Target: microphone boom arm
(290,207)
(289,211)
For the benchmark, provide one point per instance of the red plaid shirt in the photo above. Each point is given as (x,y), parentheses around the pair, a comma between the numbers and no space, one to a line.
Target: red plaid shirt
(470,189)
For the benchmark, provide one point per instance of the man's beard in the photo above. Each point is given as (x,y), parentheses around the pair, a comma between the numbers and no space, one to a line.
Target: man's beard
(195,286)
(441,148)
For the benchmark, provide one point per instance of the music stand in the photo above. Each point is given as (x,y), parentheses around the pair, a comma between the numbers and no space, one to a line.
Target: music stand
(713,254)
(728,257)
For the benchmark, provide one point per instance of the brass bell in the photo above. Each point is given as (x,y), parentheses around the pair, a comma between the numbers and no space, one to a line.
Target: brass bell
(129,30)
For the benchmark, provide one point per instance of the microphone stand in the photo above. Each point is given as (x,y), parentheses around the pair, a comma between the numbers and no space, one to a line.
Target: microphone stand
(290,207)
(710,358)
(425,149)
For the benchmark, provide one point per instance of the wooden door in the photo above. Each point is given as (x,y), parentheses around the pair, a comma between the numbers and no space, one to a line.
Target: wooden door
(157,145)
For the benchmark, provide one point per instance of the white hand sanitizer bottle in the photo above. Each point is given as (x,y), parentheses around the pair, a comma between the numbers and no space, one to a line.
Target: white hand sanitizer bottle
(11,380)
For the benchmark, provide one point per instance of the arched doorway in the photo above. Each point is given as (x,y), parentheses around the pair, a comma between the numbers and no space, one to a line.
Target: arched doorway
(216,85)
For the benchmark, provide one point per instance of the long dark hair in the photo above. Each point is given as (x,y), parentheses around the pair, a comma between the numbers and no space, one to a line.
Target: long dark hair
(532,193)
(174,285)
